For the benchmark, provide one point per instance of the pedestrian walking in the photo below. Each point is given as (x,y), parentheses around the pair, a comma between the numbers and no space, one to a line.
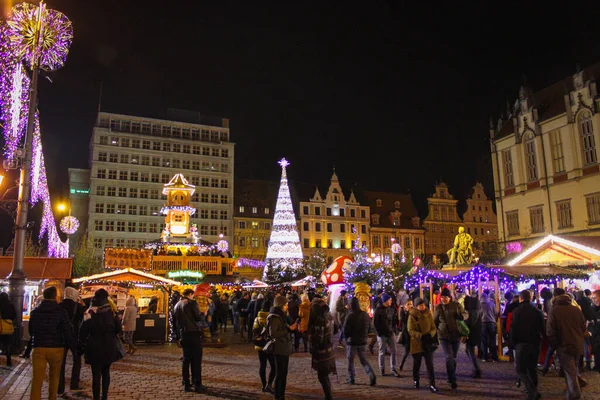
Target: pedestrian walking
(190,322)
(341,310)
(423,341)
(304,315)
(51,332)
(566,329)
(356,332)
(241,310)
(320,333)
(526,332)
(75,309)
(98,338)
(385,327)
(279,331)
(7,327)
(129,324)
(445,317)
(260,325)
(489,331)
(404,337)
(29,348)
(473,308)
(594,329)
(250,315)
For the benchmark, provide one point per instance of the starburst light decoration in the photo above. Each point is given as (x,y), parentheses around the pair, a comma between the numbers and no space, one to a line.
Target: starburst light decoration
(27,21)
(284,250)
(69,225)
(222,245)
(396,248)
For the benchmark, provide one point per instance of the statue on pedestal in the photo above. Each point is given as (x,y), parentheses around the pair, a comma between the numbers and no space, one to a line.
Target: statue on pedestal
(462,251)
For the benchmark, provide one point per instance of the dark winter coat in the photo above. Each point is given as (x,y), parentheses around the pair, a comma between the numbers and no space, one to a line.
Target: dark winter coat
(293,309)
(320,334)
(586,307)
(473,308)
(382,323)
(404,336)
(445,317)
(420,323)
(75,313)
(566,326)
(49,326)
(241,306)
(356,328)
(280,331)
(527,325)
(188,317)
(594,329)
(98,336)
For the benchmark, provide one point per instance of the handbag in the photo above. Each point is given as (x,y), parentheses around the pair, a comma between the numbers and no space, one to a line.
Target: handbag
(269,347)
(260,339)
(6,326)
(120,349)
(463,329)
(429,343)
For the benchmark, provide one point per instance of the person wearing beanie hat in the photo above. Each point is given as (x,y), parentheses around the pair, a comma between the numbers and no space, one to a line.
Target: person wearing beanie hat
(385,321)
(446,317)
(279,332)
(75,309)
(423,341)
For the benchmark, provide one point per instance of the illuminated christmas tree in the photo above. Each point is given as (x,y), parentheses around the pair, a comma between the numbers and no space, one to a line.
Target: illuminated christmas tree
(284,254)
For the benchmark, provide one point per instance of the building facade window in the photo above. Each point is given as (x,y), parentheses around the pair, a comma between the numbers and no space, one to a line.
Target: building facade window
(558,158)
(587,137)
(530,158)
(512,222)
(508,169)
(536,218)
(593,208)
(564,215)
(305,226)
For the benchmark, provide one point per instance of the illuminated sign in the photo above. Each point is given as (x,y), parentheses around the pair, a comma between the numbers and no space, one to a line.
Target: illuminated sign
(127,258)
(185,274)
(80,191)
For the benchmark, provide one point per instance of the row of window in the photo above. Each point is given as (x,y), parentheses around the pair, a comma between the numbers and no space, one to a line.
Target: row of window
(334,211)
(150,227)
(395,219)
(155,194)
(253,242)
(148,128)
(165,162)
(254,225)
(443,212)
(136,176)
(588,147)
(329,227)
(387,241)
(254,210)
(134,209)
(328,244)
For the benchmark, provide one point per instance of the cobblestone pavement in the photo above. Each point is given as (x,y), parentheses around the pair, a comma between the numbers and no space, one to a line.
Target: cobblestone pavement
(154,372)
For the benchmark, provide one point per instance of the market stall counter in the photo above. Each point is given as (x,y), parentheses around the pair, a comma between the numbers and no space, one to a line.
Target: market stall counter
(150,328)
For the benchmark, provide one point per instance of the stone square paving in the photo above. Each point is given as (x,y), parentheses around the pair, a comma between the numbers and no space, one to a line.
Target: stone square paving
(154,372)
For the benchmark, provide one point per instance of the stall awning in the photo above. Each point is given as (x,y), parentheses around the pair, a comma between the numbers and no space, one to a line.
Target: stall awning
(38,268)
(561,251)
(257,284)
(127,275)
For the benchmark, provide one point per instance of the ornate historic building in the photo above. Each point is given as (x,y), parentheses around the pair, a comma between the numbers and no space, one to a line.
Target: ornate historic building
(329,222)
(442,221)
(480,219)
(394,219)
(545,160)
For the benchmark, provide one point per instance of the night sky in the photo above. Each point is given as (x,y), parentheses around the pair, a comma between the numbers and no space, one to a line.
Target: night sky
(395,96)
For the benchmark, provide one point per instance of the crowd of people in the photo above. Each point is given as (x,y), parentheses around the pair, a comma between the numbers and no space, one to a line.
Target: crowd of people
(277,323)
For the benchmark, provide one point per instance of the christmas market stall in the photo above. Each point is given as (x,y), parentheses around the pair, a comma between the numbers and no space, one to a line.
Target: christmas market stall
(151,292)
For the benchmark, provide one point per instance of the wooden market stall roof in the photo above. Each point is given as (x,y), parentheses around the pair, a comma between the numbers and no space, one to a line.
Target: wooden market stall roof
(38,268)
(561,251)
(128,275)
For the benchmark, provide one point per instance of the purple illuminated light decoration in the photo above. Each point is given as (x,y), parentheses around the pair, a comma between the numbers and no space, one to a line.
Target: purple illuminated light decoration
(247,262)
(514,247)
(17,45)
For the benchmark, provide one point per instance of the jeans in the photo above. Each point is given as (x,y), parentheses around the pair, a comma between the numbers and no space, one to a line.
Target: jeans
(41,357)
(470,350)
(128,337)
(549,354)
(389,342)
(281,372)
(351,351)
(323,377)
(428,355)
(100,372)
(587,356)
(526,357)
(236,322)
(450,348)
(406,354)
(192,357)
(243,326)
(568,363)
(488,340)
(75,372)
(262,369)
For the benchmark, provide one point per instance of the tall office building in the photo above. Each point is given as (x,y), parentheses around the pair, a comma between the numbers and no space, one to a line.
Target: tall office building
(131,158)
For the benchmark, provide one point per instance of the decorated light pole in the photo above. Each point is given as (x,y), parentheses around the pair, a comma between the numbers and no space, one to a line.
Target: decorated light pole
(40,38)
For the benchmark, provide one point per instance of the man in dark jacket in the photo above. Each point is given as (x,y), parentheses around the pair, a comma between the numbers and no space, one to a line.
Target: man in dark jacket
(51,332)
(341,310)
(356,332)
(489,332)
(189,321)
(526,336)
(75,310)
(385,334)
(473,308)
(566,329)
(587,308)
(594,328)
(445,317)
(240,309)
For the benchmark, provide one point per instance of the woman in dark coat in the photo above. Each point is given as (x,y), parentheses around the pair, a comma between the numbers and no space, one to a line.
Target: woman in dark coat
(473,307)
(279,331)
(404,337)
(98,337)
(8,313)
(320,336)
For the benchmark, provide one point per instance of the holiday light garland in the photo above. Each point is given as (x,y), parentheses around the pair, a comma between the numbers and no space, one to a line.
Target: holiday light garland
(69,225)
(284,251)
(188,209)
(247,262)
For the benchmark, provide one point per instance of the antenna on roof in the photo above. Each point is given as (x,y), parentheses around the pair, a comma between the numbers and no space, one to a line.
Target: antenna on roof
(100,97)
